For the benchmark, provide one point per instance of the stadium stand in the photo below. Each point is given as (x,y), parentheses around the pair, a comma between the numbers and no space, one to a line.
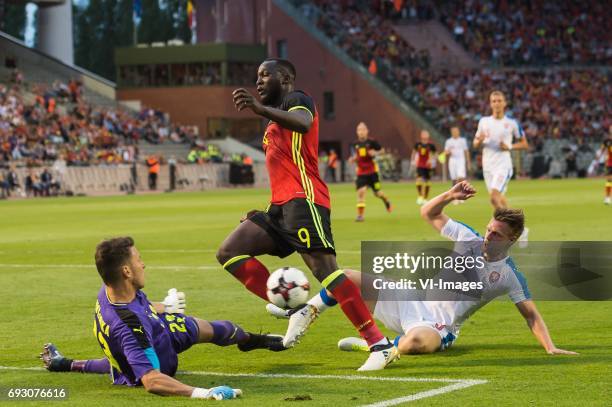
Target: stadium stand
(58,136)
(528,32)
(546,102)
(508,33)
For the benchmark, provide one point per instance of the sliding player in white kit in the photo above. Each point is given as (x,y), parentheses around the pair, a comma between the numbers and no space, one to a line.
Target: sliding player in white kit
(430,326)
(458,153)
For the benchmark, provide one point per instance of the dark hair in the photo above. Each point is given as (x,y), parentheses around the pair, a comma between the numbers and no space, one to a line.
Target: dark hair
(515,218)
(286,66)
(111,255)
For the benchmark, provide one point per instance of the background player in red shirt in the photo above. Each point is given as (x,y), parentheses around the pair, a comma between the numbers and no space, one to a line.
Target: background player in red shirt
(423,156)
(606,148)
(365,150)
(298,217)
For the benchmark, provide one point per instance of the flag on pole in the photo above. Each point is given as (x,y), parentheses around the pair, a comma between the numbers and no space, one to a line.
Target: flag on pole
(191,21)
(137,13)
(136,17)
(398,5)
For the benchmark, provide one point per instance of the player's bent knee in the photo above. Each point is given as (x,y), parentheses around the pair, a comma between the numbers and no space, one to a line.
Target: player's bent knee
(225,253)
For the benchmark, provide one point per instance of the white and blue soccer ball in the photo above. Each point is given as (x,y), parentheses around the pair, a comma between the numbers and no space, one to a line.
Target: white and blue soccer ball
(288,288)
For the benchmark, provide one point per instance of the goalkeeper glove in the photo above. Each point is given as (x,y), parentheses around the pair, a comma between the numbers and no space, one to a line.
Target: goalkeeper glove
(175,302)
(216,393)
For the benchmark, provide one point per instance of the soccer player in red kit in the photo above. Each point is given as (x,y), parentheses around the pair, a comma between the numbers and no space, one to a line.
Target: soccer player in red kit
(298,217)
(365,149)
(423,157)
(606,148)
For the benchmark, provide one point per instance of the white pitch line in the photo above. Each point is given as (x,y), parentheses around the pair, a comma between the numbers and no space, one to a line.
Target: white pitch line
(315,376)
(428,393)
(456,384)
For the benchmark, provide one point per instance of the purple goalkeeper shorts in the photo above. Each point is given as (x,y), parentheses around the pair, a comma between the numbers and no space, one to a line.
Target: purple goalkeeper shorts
(183,330)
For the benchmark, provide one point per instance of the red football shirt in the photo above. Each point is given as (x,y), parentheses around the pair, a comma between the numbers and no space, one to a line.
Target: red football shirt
(423,153)
(292,158)
(608,144)
(365,162)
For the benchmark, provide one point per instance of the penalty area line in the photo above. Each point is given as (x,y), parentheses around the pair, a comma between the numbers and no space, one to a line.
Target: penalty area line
(455,384)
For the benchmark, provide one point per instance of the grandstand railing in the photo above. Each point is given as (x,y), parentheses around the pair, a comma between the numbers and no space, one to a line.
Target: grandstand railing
(390,94)
(118,179)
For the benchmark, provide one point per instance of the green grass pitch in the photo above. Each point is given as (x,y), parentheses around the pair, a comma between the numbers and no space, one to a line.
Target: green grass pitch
(48,285)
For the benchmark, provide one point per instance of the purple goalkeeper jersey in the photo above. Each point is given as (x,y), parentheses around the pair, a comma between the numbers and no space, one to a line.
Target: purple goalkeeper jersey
(136,339)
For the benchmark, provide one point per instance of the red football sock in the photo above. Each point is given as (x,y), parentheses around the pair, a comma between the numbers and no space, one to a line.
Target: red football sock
(250,272)
(348,296)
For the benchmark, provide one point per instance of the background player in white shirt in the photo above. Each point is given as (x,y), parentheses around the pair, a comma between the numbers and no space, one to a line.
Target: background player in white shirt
(458,153)
(495,135)
(430,326)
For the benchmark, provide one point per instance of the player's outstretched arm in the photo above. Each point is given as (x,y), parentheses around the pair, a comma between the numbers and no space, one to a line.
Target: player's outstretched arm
(432,211)
(158,383)
(537,326)
(298,120)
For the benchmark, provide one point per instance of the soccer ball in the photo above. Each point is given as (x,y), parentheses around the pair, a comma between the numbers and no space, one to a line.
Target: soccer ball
(288,287)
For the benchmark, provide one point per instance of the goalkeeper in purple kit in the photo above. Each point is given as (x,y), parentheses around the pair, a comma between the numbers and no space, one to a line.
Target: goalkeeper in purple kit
(141,340)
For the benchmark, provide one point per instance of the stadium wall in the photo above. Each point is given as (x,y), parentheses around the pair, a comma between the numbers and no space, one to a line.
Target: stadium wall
(114,180)
(193,105)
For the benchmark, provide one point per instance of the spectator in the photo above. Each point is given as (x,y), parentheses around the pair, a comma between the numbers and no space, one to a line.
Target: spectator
(45,182)
(32,184)
(11,181)
(153,163)
(331,165)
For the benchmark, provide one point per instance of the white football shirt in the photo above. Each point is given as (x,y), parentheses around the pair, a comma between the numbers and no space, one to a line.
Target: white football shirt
(498,278)
(494,132)
(456,147)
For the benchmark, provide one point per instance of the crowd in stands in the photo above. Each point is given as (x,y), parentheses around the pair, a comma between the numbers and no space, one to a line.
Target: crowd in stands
(520,32)
(36,183)
(202,153)
(550,103)
(367,36)
(43,123)
(509,33)
(53,125)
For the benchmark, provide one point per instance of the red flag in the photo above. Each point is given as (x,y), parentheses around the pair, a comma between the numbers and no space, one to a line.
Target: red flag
(191,20)
(398,4)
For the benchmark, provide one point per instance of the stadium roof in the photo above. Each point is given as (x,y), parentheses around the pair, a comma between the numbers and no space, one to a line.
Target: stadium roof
(189,53)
